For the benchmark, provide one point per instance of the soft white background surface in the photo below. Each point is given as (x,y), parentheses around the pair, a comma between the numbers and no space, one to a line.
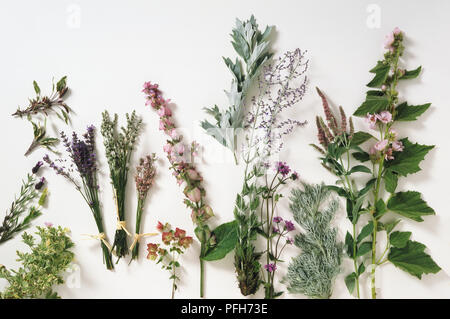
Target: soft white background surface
(109,48)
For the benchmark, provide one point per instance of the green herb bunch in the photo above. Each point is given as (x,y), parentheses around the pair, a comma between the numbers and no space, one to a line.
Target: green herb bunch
(389,159)
(44,105)
(313,272)
(24,205)
(119,147)
(42,268)
(252,46)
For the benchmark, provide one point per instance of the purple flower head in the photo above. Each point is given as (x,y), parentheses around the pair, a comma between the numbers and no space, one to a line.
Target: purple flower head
(289,240)
(294,176)
(275,230)
(282,168)
(289,226)
(36,167)
(270,267)
(40,183)
(277,219)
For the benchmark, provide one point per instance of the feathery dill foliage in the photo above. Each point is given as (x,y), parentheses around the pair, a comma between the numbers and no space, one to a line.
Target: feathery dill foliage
(42,268)
(28,194)
(313,272)
(252,46)
(119,147)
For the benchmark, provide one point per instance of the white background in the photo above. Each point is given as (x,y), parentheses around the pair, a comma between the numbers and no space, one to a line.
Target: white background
(109,48)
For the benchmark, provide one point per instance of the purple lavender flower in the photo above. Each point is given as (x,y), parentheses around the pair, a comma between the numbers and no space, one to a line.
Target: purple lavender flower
(277,219)
(40,183)
(270,267)
(282,168)
(288,225)
(36,167)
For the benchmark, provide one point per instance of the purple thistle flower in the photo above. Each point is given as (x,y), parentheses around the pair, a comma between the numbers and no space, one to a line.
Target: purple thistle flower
(282,168)
(270,267)
(289,226)
(277,219)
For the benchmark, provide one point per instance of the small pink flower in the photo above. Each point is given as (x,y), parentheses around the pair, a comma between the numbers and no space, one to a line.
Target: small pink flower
(193,174)
(179,148)
(173,134)
(162,125)
(371,119)
(383,87)
(48,224)
(167,148)
(194,195)
(164,111)
(397,31)
(389,40)
(388,155)
(372,150)
(384,117)
(398,146)
(392,134)
(381,145)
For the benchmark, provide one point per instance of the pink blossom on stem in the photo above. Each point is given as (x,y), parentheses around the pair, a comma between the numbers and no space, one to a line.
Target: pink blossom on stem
(194,195)
(384,117)
(389,41)
(397,146)
(371,119)
(388,155)
(397,31)
(381,145)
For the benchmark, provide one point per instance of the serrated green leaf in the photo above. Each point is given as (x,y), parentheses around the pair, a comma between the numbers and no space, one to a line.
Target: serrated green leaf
(366,188)
(390,181)
(411,74)
(409,204)
(413,260)
(359,168)
(380,208)
(407,161)
(405,112)
(372,104)
(399,239)
(381,73)
(388,227)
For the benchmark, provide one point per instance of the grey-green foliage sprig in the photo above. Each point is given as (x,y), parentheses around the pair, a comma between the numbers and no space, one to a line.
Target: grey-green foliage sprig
(252,46)
(13,222)
(313,272)
(41,139)
(119,146)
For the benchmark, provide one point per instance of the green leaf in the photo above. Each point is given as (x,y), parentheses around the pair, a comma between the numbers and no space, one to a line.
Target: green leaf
(359,168)
(407,162)
(366,231)
(36,88)
(367,188)
(409,204)
(356,208)
(61,84)
(390,181)
(399,239)
(360,137)
(361,269)
(349,244)
(364,248)
(361,156)
(388,227)
(380,208)
(413,259)
(381,73)
(226,238)
(372,104)
(411,74)
(405,112)
(350,282)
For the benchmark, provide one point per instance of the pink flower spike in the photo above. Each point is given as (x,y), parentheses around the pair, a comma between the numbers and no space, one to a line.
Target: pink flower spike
(384,117)
(167,148)
(381,145)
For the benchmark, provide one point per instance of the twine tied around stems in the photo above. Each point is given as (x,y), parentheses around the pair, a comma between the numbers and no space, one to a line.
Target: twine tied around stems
(121,224)
(101,237)
(139,236)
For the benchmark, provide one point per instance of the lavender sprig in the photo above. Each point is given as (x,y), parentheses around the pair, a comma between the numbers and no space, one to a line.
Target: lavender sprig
(84,161)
